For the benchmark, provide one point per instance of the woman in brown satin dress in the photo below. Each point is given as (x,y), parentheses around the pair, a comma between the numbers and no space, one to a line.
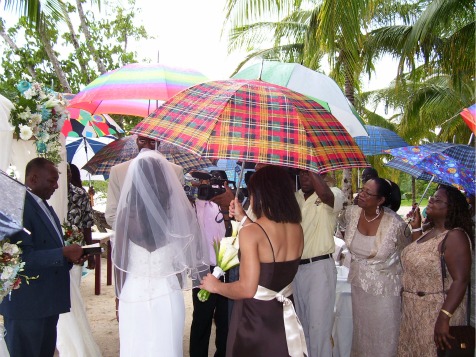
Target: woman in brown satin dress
(270,252)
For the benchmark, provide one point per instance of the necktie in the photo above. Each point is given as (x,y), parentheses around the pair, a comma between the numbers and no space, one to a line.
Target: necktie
(50,213)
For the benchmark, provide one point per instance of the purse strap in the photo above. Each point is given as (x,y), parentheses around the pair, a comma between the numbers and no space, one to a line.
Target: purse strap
(443,276)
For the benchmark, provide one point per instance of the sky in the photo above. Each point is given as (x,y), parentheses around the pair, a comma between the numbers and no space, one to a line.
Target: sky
(189,35)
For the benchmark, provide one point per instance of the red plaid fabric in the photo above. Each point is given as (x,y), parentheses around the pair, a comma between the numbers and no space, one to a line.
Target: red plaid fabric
(254,121)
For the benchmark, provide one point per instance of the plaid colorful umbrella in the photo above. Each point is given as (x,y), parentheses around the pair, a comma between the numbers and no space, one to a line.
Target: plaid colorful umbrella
(254,121)
(85,124)
(135,89)
(125,149)
(313,84)
(379,139)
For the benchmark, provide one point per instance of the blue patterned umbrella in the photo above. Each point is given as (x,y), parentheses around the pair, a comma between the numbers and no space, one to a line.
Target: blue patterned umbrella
(452,164)
(379,139)
(416,172)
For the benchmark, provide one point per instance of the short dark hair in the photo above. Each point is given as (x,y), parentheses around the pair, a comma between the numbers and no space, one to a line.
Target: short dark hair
(273,195)
(38,163)
(75,176)
(369,173)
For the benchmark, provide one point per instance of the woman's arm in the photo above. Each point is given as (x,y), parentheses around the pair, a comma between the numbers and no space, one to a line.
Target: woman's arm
(247,285)
(458,261)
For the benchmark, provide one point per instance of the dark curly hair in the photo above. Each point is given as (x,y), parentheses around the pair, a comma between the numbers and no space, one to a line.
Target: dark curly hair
(459,215)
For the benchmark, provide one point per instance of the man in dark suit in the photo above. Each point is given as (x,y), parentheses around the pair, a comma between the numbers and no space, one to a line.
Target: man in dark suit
(31,312)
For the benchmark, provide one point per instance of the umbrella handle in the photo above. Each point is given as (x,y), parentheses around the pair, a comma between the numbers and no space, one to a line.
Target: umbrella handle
(240,178)
(422,196)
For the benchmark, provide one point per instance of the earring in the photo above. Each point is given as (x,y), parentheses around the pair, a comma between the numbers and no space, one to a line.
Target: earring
(377,211)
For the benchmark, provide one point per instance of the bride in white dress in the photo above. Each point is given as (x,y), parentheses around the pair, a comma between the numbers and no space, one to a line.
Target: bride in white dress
(157,253)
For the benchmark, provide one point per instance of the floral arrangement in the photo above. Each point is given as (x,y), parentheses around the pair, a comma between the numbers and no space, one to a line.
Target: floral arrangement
(72,234)
(39,112)
(10,266)
(226,251)
(13,172)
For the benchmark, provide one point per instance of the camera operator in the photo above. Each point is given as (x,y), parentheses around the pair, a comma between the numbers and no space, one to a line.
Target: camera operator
(211,205)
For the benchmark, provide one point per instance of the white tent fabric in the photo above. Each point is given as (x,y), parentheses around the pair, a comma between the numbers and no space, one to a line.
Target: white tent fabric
(6,131)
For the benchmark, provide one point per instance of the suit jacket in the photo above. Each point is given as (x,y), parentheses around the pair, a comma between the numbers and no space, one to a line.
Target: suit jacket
(116,181)
(42,253)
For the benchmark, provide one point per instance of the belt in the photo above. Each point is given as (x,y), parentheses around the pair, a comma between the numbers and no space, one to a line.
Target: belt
(421,293)
(315,259)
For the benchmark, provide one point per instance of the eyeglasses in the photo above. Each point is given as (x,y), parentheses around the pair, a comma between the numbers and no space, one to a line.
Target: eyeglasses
(436,200)
(146,141)
(361,191)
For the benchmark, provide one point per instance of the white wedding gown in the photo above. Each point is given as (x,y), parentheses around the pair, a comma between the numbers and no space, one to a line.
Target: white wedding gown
(151,307)
(75,338)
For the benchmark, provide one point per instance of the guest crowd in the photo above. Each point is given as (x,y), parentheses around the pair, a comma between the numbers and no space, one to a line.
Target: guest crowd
(281,299)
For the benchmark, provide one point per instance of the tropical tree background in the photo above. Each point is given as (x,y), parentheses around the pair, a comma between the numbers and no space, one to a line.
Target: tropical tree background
(93,45)
(432,40)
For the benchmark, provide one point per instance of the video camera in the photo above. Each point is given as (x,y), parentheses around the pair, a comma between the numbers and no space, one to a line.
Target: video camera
(217,179)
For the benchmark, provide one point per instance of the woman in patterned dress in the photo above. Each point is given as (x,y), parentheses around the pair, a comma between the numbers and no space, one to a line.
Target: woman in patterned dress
(428,311)
(375,236)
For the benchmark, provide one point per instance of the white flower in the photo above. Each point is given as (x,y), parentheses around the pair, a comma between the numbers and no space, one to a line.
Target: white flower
(25,132)
(35,119)
(7,273)
(29,93)
(51,103)
(11,249)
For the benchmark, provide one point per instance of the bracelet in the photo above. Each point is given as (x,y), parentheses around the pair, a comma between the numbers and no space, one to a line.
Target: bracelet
(447,313)
(417,230)
(243,220)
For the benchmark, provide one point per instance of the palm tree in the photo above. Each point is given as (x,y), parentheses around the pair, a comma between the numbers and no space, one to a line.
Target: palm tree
(333,27)
(438,50)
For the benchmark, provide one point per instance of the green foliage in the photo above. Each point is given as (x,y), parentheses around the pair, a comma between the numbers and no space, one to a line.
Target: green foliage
(109,36)
(99,186)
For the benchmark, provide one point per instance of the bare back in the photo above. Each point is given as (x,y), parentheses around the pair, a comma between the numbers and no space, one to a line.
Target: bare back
(287,240)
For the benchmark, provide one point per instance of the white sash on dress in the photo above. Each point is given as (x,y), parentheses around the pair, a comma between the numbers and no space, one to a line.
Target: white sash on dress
(292,326)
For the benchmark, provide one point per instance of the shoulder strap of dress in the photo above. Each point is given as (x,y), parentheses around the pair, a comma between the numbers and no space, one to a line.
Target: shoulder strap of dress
(266,234)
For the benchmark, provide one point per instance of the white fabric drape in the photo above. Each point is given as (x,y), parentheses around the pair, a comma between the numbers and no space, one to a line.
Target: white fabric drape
(6,132)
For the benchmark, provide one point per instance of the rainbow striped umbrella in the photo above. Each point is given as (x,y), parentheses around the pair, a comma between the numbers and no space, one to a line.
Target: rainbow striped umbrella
(135,89)
(469,117)
(254,121)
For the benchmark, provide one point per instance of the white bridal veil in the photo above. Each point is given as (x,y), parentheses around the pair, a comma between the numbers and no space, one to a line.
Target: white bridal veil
(157,234)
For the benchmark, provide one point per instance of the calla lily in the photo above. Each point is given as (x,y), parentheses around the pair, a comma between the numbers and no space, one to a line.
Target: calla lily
(226,257)
(235,225)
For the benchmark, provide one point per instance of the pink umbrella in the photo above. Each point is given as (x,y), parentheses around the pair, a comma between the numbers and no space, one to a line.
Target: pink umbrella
(135,89)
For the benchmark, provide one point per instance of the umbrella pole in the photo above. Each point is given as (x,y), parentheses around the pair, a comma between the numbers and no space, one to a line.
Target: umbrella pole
(240,178)
(86,150)
(426,189)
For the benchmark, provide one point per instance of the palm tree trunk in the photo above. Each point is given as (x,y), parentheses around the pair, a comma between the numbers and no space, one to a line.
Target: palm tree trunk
(74,41)
(54,61)
(89,41)
(347,173)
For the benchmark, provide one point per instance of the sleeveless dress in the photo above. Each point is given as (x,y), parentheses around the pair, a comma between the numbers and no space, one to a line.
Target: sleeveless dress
(151,307)
(422,273)
(256,326)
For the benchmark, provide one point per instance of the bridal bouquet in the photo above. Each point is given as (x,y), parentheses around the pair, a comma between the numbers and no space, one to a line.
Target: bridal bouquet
(10,266)
(72,234)
(39,112)
(226,252)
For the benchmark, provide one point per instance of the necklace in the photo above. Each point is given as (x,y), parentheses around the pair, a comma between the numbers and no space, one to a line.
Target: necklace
(371,220)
